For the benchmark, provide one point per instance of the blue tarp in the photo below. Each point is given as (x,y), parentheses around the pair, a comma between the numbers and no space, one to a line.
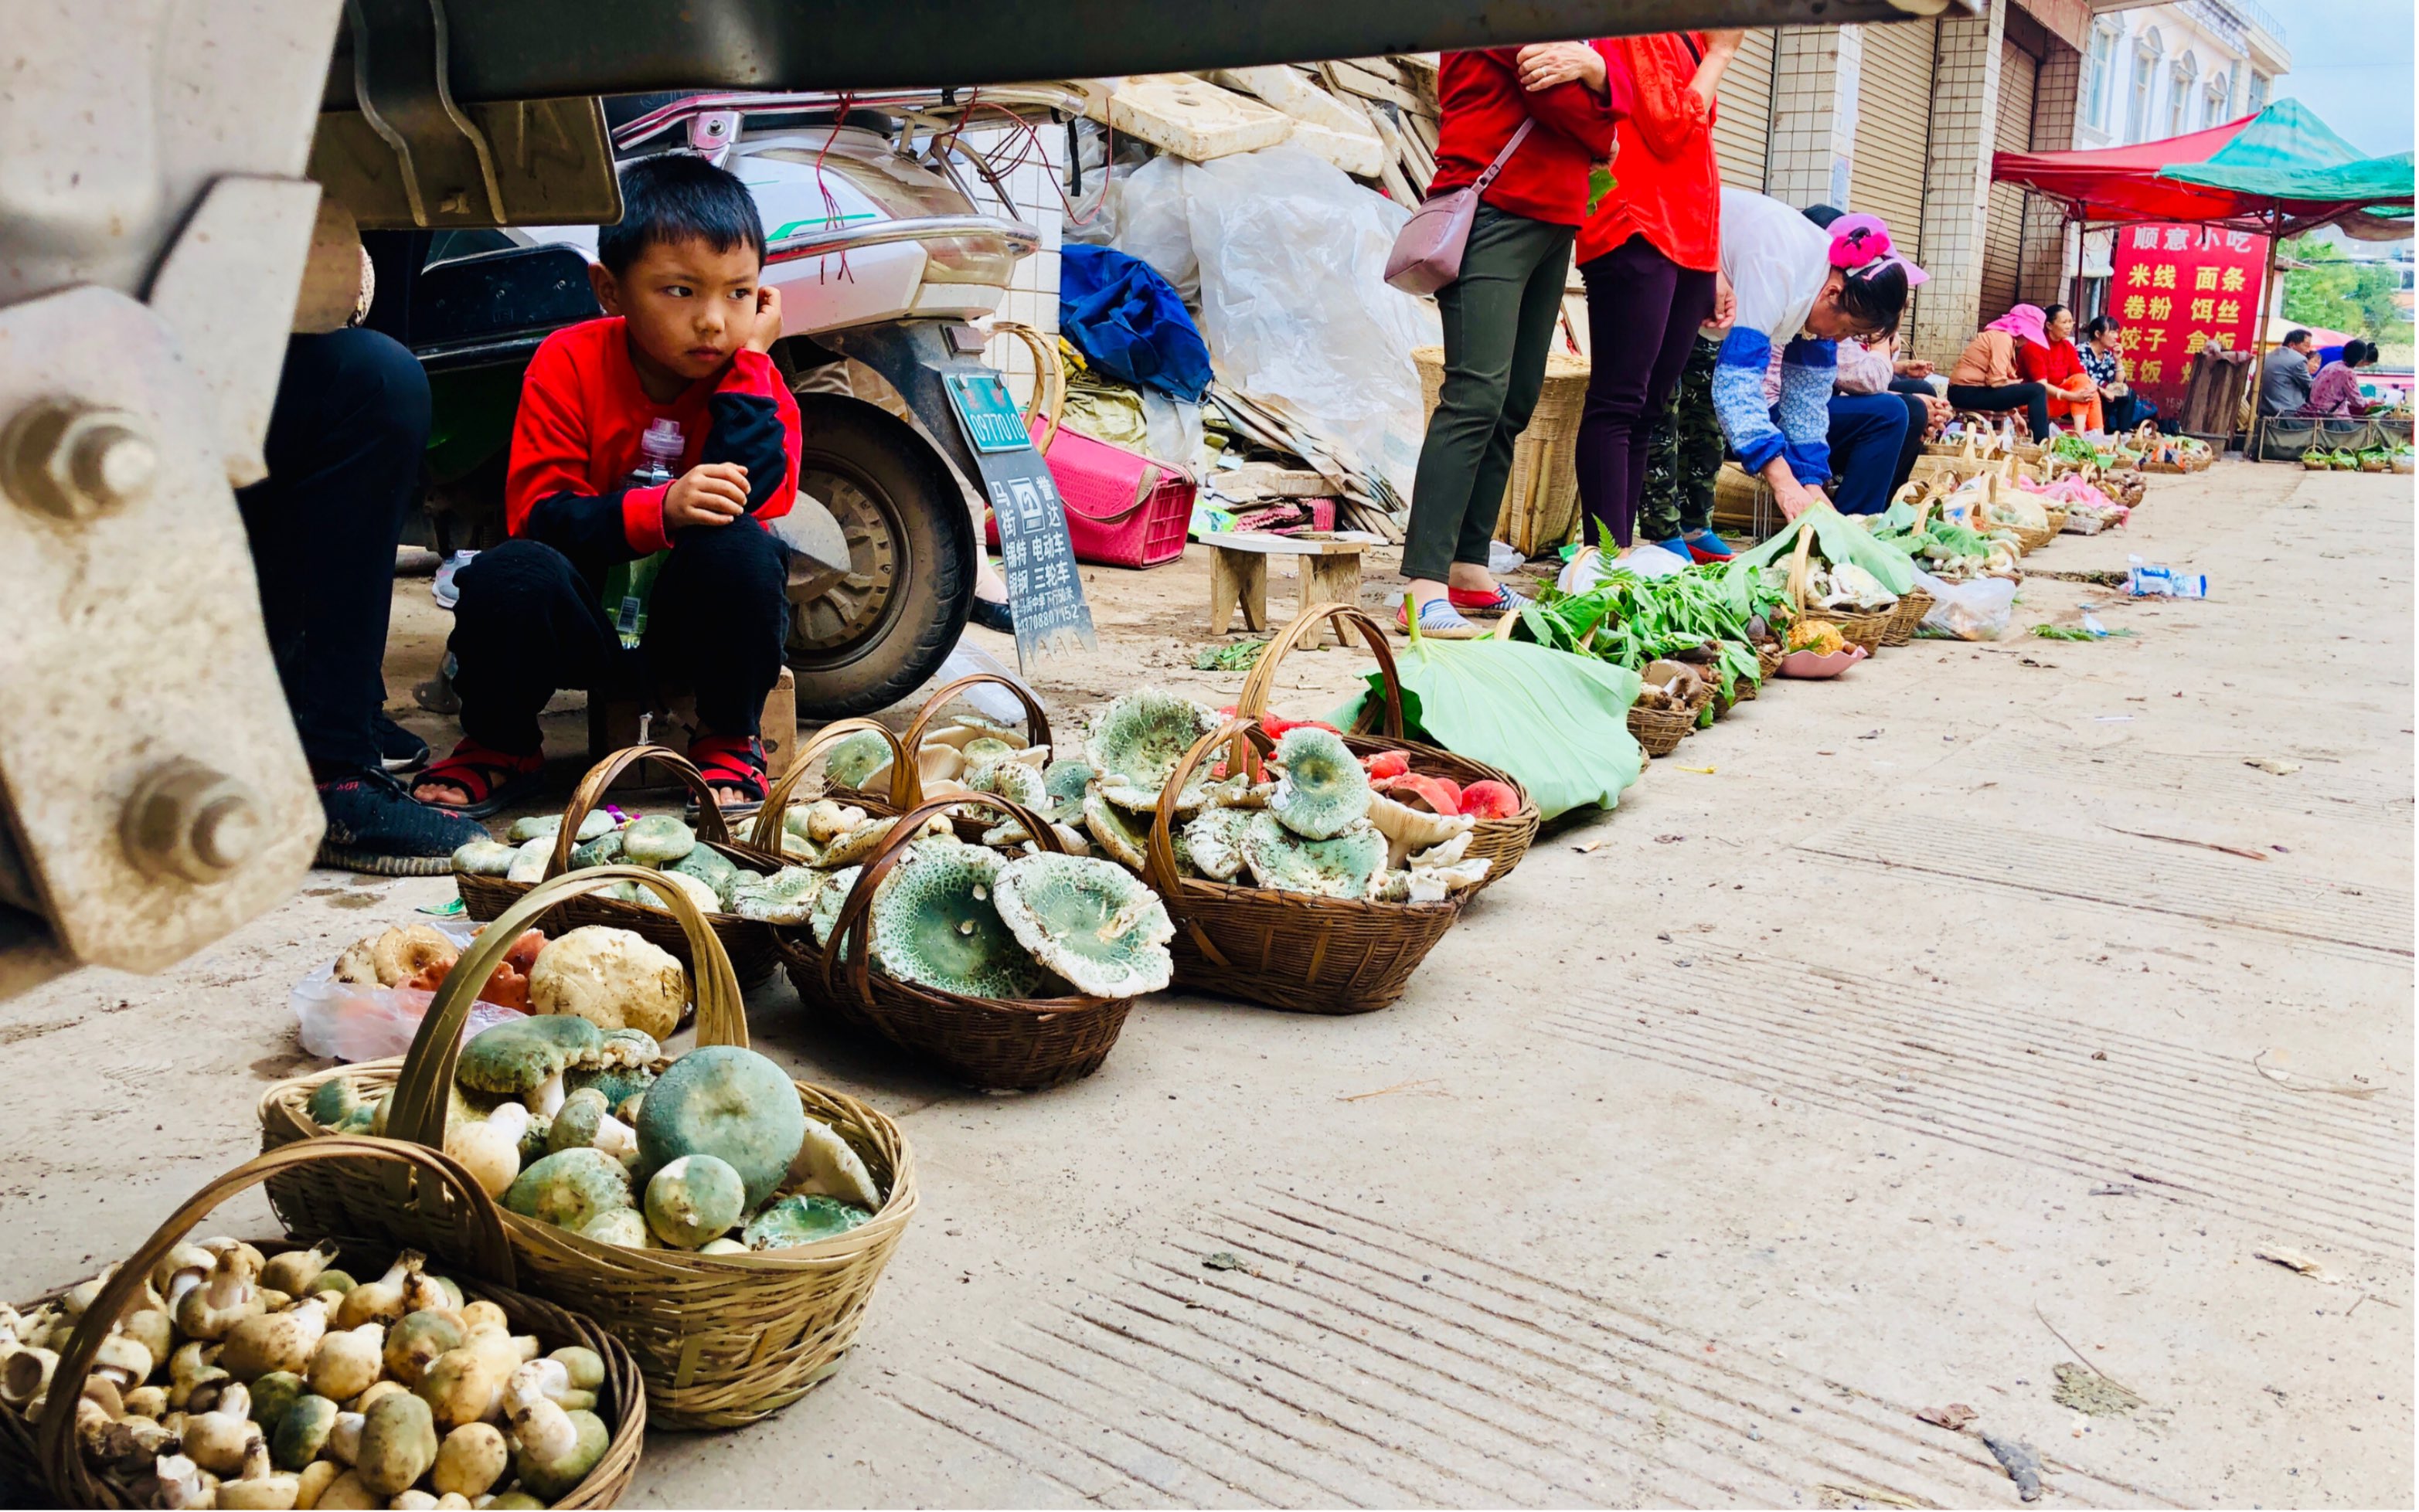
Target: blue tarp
(1128,322)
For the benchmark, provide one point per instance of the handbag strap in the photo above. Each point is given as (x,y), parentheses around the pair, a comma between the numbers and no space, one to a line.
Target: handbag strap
(1478,184)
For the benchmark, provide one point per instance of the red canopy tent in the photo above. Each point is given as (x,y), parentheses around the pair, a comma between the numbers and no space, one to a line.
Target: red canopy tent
(2121,184)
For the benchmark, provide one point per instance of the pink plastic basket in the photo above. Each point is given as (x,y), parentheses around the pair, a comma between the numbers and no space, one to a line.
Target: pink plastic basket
(1123,509)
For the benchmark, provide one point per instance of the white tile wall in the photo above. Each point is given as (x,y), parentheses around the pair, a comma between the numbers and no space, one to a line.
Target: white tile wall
(1957,182)
(1035,187)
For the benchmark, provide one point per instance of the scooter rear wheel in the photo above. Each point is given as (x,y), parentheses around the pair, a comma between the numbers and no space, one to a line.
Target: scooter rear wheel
(864,640)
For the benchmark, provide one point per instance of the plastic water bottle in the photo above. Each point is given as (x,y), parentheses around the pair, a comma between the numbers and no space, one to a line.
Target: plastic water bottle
(628,586)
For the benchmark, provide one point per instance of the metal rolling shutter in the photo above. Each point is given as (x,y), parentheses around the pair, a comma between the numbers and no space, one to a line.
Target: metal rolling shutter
(1743,113)
(1894,132)
(2003,240)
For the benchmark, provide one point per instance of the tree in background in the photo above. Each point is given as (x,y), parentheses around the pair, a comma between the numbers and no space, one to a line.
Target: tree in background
(2332,291)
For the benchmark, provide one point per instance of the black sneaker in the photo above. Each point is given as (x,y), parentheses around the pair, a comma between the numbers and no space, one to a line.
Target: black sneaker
(992,615)
(374,826)
(399,750)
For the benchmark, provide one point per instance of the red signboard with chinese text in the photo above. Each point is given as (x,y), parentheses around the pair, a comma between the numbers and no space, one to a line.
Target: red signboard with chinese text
(2176,288)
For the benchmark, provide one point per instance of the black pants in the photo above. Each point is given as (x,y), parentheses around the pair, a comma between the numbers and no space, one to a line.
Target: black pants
(1644,311)
(530,622)
(2125,413)
(2032,398)
(345,440)
(1918,418)
(1498,325)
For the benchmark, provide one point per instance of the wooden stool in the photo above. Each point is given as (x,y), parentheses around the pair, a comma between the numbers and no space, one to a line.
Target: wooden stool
(613,724)
(1239,576)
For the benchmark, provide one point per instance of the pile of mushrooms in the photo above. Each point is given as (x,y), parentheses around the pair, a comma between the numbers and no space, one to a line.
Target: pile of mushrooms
(1314,824)
(591,1131)
(236,1380)
(661,841)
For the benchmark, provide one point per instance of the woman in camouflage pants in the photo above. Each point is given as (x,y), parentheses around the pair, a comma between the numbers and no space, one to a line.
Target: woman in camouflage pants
(1681,456)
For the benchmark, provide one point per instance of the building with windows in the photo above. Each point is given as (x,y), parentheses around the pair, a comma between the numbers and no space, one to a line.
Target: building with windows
(1902,120)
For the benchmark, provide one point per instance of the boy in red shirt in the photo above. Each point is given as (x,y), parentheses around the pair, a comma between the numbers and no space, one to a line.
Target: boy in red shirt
(650,445)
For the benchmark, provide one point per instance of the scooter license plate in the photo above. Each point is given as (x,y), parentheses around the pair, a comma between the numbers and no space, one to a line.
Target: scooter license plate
(993,422)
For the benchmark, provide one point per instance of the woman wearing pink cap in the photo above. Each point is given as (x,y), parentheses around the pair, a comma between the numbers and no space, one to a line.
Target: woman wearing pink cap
(1799,288)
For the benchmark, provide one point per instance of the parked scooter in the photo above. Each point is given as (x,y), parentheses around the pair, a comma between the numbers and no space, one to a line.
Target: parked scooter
(882,254)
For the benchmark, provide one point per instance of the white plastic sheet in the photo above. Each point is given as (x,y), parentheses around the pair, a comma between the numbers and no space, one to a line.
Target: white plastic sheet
(1284,256)
(1976,610)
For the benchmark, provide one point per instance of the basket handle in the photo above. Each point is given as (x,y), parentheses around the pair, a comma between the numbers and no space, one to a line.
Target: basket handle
(417,1107)
(906,790)
(1261,682)
(491,1257)
(852,935)
(591,791)
(1049,378)
(1159,850)
(1037,723)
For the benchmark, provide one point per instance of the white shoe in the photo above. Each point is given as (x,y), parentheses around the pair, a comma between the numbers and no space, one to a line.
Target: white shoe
(442,589)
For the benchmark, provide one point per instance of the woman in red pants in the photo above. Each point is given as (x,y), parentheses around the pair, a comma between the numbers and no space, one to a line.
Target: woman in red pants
(1649,252)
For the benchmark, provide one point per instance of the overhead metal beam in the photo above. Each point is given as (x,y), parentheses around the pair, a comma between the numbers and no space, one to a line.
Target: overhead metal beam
(538,49)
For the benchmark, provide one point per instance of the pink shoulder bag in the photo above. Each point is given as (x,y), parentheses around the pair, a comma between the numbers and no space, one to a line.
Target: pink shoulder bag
(1427,251)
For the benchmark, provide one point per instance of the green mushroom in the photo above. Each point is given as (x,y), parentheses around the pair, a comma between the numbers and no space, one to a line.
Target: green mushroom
(822,916)
(398,1444)
(1344,866)
(786,897)
(527,1056)
(618,1084)
(602,851)
(586,1119)
(571,1186)
(1324,790)
(1140,738)
(732,1104)
(551,1480)
(274,1394)
(594,823)
(657,840)
(1063,782)
(694,1199)
(331,1102)
(934,923)
(1093,923)
(856,760)
(484,858)
(301,1432)
(712,867)
(802,1220)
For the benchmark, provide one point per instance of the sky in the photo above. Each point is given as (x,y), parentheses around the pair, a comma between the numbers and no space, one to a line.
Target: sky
(2352,65)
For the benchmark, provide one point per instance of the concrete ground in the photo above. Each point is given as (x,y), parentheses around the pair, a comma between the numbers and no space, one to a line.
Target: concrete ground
(1960,1032)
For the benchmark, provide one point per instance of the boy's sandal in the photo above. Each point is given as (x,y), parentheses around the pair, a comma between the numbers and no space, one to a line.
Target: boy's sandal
(495,780)
(730,761)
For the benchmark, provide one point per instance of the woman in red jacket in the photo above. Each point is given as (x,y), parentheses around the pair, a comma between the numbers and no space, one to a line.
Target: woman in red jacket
(1649,252)
(2074,398)
(1558,100)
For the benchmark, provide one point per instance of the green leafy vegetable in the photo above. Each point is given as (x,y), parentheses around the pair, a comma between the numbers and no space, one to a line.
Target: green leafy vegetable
(1558,722)
(1235,656)
(1839,540)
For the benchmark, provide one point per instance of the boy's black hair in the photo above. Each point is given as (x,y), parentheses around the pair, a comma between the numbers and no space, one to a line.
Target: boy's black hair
(1874,300)
(674,197)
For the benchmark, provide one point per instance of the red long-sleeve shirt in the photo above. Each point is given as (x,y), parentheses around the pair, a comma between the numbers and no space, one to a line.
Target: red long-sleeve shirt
(575,442)
(1666,184)
(1482,104)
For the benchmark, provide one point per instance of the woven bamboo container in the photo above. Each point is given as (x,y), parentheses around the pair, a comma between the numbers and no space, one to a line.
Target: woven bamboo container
(1913,605)
(1503,842)
(997,1043)
(1541,501)
(40,1453)
(1660,731)
(1865,630)
(1283,949)
(762,839)
(748,944)
(721,1340)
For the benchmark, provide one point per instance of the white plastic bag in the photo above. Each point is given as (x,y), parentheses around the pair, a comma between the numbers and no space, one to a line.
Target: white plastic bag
(1286,267)
(1979,610)
(358,1021)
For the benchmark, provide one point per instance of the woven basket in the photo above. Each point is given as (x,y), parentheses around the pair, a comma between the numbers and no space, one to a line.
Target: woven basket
(1037,729)
(1743,504)
(1541,499)
(748,943)
(1857,629)
(721,1340)
(1660,731)
(1503,842)
(41,1455)
(1000,1045)
(1285,949)
(762,839)
(1913,605)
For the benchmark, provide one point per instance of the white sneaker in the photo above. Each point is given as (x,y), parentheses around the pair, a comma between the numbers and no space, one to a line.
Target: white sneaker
(442,589)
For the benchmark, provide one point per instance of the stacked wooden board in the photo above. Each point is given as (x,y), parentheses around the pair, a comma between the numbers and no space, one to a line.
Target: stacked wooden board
(1374,117)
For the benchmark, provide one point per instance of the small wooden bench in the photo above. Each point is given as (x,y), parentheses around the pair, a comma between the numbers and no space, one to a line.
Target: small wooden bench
(614,723)
(1239,573)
